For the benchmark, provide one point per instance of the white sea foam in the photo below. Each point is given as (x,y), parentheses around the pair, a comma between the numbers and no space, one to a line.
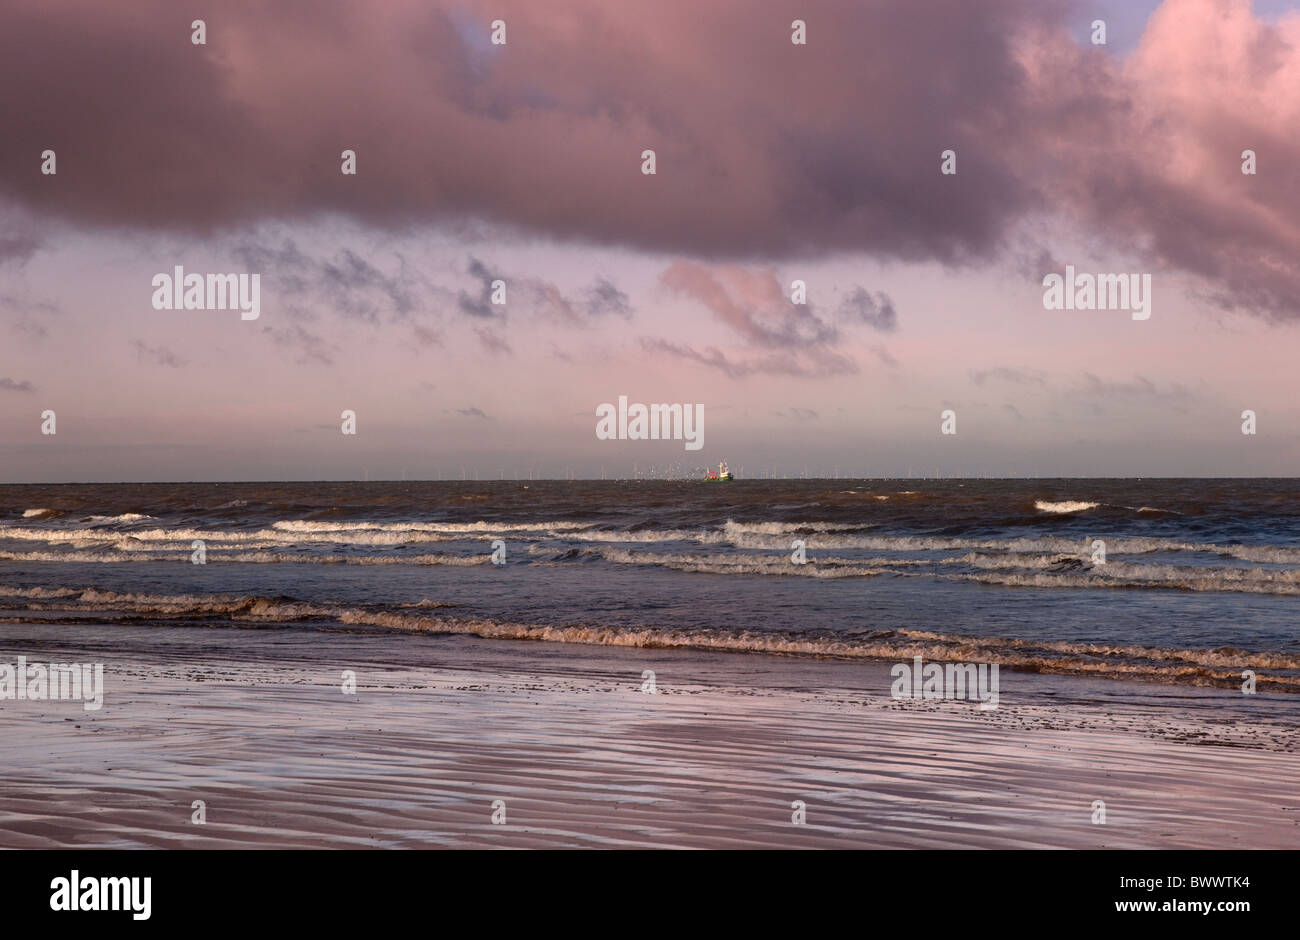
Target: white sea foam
(1177,578)
(245,558)
(781,528)
(326,543)
(1068,505)
(476,528)
(753,564)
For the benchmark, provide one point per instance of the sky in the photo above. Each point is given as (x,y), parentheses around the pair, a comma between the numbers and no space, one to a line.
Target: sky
(522,162)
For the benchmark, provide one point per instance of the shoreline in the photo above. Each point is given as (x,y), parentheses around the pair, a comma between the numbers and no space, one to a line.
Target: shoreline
(255,724)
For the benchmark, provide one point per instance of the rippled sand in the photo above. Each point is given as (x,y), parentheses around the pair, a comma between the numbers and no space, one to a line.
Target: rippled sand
(582,757)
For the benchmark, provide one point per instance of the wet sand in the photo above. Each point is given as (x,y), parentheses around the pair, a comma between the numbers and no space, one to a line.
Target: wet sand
(255,724)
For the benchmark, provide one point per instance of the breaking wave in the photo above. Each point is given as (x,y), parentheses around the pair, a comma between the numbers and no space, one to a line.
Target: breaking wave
(1221,666)
(727,547)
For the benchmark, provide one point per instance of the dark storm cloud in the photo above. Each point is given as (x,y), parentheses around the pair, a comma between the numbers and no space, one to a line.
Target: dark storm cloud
(765,149)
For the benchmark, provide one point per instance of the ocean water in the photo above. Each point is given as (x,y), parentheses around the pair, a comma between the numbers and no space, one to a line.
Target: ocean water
(1201,577)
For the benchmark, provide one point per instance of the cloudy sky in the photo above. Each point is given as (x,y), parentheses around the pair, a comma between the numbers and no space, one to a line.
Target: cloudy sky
(522,162)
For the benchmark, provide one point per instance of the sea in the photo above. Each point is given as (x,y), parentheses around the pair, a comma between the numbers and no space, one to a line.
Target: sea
(1186,581)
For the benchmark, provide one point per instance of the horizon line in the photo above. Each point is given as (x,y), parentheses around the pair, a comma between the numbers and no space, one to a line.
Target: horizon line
(682,479)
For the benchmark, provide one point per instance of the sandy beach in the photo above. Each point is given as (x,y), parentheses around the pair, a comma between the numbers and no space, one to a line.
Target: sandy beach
(581,756)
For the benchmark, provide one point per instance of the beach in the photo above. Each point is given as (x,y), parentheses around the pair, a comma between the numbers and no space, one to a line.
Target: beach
(580,425)
(651,664)
(254,723)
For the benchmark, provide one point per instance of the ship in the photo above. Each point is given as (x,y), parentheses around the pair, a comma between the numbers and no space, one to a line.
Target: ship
(723,474)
